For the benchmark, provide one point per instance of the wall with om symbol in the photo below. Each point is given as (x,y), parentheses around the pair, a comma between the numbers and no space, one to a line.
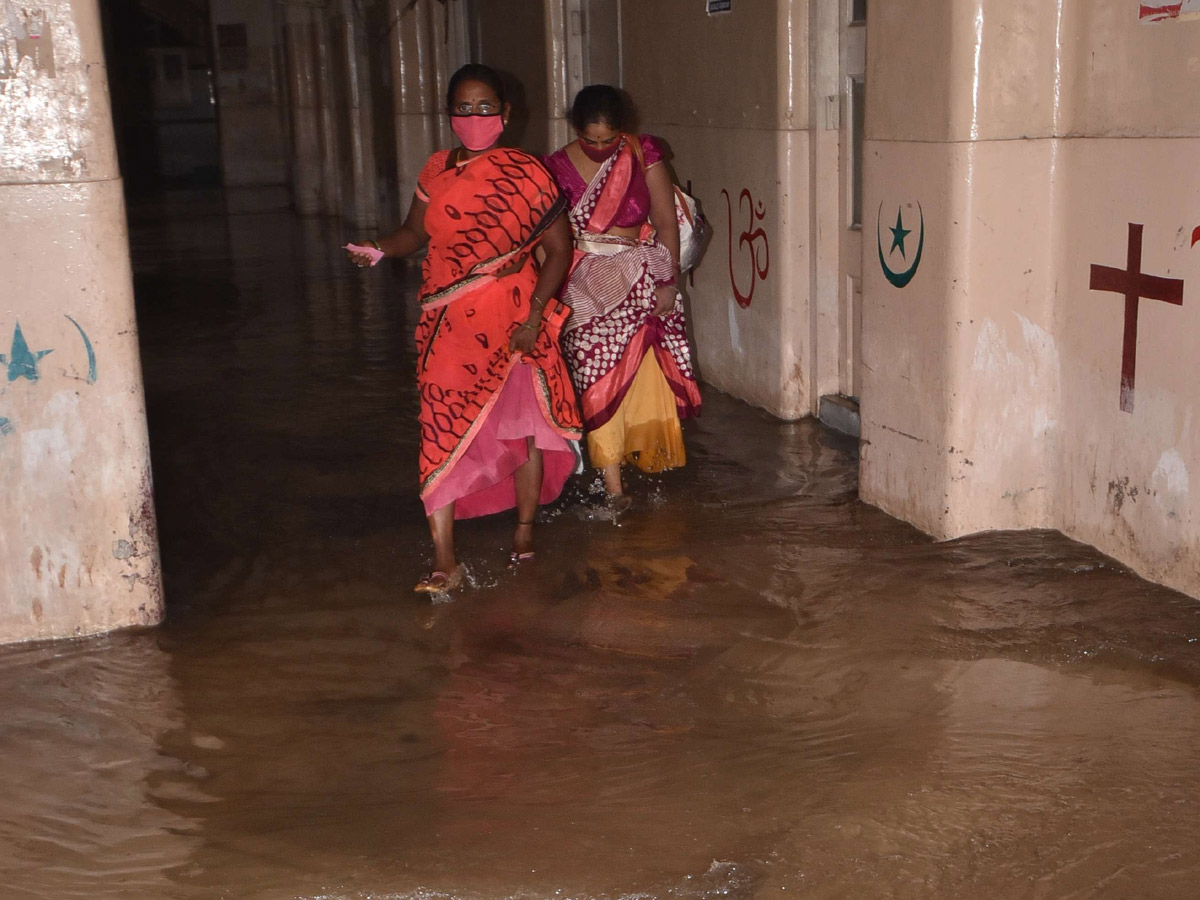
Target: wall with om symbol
(729,93)
(1030,250)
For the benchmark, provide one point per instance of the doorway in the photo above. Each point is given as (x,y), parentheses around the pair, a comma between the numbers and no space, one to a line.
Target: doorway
(853,65)
(160,74)
(595,43)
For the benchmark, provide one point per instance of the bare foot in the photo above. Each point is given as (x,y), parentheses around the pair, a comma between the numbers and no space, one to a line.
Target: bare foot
(612,479)
(619,503)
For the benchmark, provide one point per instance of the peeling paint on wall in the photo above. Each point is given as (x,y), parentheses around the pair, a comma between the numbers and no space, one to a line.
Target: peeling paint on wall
(1173,473)
(32,38)
(735,331)
(1149,13)
(991,351)
(45,104)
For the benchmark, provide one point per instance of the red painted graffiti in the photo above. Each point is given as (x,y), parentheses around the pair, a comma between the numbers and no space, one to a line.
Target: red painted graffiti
(752,242)
(1136,286)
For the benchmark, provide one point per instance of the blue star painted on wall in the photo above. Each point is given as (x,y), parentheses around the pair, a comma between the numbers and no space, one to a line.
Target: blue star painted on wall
(899,233)
(21,361)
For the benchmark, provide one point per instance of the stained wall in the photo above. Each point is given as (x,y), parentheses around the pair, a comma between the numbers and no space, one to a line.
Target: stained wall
(78,543)
(1028,138)
(729,94)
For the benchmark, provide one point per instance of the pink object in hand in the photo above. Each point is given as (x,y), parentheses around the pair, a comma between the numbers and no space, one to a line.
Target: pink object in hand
(376,255)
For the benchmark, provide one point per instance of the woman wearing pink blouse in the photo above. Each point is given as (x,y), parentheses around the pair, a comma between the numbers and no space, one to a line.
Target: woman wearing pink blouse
(625,341)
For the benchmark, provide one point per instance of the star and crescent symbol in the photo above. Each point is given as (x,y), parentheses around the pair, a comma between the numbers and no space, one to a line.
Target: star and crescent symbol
(899,238)
(21,361)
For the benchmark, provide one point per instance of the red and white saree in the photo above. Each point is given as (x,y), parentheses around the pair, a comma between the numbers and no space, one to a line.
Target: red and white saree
(631,368)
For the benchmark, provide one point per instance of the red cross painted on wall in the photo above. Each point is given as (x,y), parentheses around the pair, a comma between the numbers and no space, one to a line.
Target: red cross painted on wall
(1136,286)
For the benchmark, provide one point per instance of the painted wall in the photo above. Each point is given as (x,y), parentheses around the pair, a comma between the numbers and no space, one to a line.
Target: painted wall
(78,545)
(511,38)
(729,93)
(1012,145)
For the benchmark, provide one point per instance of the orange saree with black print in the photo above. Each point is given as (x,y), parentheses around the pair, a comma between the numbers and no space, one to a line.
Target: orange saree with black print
(480,403)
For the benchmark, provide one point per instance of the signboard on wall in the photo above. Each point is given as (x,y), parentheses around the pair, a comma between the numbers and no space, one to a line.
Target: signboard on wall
(1164,12)
(712,7)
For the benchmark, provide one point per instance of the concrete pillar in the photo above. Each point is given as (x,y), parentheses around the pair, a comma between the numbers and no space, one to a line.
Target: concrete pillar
(78,543)
(331,92)
(949,420)
(414,79)
(1012,148)
(824,348)
(353,108)
(445,61)
(359,178)
(560,90)
(303,109)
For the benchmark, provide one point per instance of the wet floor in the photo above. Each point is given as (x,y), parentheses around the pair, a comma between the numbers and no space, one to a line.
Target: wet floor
(755,686)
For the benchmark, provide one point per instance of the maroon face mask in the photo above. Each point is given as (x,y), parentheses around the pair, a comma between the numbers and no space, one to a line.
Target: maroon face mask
(599,155)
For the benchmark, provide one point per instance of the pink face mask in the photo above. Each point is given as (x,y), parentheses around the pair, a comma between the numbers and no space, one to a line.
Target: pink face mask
(599,155)
(477,132)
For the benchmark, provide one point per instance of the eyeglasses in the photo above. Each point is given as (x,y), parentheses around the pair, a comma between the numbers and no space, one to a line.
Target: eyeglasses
(482,108)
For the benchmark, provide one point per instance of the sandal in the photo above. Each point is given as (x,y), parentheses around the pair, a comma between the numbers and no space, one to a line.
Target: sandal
(437,582)
(520,556)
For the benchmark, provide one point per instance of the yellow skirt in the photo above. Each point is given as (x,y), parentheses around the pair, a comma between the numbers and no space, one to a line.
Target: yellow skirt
(645,429)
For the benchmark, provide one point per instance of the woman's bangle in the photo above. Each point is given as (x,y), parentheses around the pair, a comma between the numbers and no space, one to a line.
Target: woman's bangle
(541,304)
(530,327)
(374,243)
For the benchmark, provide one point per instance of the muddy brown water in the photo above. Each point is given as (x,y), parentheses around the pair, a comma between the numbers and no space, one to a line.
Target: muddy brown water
(755,686)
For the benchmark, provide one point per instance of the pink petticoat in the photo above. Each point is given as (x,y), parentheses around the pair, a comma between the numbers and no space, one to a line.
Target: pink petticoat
(481,482)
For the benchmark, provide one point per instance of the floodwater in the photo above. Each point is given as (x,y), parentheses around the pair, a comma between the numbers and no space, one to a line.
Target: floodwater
(754,686)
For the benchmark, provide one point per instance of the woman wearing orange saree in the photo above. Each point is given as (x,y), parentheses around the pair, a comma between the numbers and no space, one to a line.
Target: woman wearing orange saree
(497,410)
(626,340)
